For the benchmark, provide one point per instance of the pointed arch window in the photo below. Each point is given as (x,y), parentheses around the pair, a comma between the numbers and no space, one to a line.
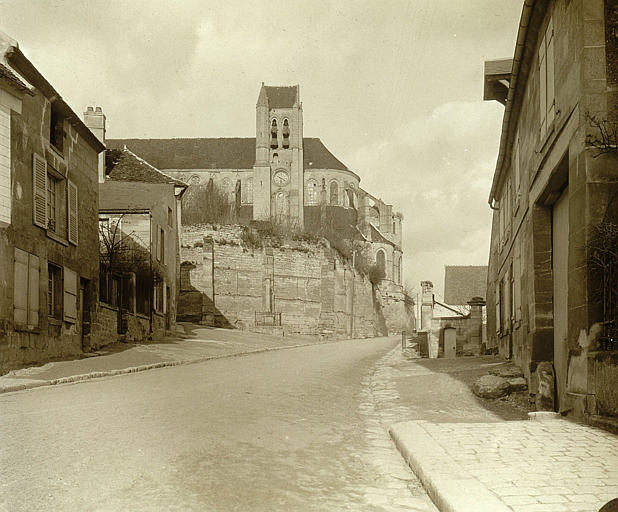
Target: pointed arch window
(311,192)
(334,193)
(274,142)
(286,134)
(381,260)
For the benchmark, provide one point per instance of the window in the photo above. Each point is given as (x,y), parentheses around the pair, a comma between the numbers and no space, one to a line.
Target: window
(26,289)
(108,287)
(170,217)
(397,269)
(54,201)
(286,134)
(312,192)
(159,293)
(52,206)
(274,143)
(381,260)
(161,248)
(56,128)
(334,193)
(5,165)
(546,79)
(54,291)
(516,170)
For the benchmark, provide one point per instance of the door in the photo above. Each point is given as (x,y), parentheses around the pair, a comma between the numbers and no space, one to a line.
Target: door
(560,268)
(84,312)
(450,343)
(168,313)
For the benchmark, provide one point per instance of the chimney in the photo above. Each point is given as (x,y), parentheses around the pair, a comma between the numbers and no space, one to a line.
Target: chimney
(94,119)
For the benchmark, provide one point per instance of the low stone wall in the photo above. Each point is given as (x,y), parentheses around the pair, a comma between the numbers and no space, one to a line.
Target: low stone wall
(19,348)
(104,328)
(311,285)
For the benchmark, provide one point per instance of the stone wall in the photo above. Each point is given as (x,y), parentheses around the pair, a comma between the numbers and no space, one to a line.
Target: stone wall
(311,285)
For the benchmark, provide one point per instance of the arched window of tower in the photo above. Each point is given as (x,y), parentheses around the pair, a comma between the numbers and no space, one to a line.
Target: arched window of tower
(286,134)
(275,158)
(334,193)
(274,143)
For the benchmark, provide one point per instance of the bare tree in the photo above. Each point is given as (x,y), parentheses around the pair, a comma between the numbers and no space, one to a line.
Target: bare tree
(605,140)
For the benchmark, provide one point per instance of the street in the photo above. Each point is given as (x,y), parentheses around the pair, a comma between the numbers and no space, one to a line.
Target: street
(286,430)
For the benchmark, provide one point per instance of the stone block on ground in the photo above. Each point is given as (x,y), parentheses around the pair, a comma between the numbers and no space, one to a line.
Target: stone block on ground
(490,386)
(517,384)
(508,371)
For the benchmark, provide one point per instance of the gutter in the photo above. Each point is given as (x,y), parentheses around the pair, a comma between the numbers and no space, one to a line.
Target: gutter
(506,121)
(21,63)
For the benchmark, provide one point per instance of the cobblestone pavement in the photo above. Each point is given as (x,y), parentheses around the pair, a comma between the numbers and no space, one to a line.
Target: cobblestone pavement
(287,430)
(553,465)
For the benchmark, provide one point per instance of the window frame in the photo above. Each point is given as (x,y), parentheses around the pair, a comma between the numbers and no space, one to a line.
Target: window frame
(55,291)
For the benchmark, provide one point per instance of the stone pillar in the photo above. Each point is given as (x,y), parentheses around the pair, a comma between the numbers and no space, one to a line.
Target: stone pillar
(475,327)
(426,306)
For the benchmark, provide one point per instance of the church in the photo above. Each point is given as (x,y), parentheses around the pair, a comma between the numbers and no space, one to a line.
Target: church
(280,175)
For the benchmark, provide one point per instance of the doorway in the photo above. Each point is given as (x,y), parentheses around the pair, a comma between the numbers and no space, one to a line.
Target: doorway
(560,269)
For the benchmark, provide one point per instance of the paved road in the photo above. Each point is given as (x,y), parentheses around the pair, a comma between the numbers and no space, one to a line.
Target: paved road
(289,430)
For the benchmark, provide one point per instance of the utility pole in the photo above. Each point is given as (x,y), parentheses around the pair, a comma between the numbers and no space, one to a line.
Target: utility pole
(353,292)
(212,274)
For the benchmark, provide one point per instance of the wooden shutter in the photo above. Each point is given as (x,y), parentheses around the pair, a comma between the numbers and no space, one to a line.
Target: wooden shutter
(33,290)
(542,87)
(158,242)
(72,212)
(20,288)
(39,190)
(549,59)
(498,316)
(70,296)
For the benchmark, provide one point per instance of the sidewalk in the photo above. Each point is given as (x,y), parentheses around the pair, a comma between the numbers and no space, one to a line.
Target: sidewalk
(483,456)
(194,343)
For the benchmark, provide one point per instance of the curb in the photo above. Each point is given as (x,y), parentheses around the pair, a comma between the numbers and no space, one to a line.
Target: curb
(441,476)
(142,368)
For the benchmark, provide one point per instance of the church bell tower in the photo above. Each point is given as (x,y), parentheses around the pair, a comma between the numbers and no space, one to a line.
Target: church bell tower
(278,173)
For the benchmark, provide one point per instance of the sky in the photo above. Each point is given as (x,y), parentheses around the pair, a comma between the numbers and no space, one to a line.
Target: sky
(392,87)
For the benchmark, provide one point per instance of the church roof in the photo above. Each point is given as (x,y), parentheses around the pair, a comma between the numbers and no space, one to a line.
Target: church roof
(222,153)
(281,97)
(462,283)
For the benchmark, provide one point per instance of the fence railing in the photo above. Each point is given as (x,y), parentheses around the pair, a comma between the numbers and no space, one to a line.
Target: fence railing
(267,319)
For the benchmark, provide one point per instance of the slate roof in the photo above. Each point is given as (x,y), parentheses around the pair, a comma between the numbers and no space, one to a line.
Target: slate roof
(281,97)
(8,76)
(123,165)
(461,283)
(221,153)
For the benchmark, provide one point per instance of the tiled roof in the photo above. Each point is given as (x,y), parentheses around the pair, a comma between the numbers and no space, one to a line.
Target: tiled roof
(462,283)
(223,153)
(7,75)
(123,165)
(281,97)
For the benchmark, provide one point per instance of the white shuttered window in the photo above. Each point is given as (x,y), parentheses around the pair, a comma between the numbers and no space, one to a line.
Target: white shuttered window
(26,289)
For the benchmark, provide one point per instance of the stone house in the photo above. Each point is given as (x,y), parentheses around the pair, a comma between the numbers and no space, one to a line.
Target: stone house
(139,229)
(552,185)
(48,218)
